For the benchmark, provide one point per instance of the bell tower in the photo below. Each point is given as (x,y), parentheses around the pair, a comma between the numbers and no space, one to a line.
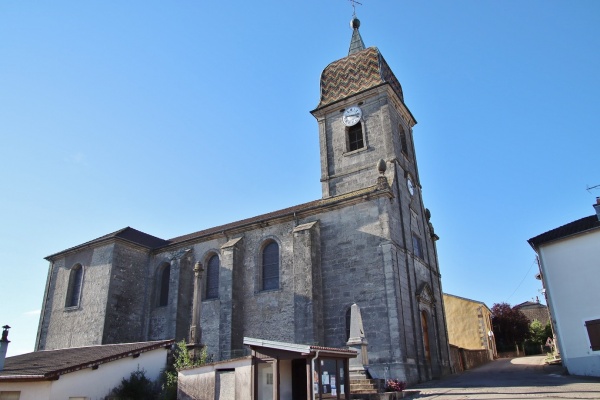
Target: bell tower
(362,118)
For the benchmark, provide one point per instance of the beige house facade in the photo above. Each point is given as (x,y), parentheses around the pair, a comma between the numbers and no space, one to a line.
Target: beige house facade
(469,324)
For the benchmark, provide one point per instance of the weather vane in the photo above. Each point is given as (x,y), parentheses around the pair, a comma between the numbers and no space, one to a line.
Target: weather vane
(354,3)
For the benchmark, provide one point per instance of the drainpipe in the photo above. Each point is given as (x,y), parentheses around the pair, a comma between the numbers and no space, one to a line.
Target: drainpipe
(4,345)
(312,376)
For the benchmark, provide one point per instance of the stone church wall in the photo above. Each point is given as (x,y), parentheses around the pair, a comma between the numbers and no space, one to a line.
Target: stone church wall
(352,170)
(82,325)
(127,295)
(367,241)
(173,320)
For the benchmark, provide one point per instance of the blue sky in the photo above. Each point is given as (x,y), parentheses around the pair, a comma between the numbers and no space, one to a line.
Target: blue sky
(171,117)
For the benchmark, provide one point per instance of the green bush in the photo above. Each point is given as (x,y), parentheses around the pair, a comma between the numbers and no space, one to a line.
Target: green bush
(136,387)
(182,359)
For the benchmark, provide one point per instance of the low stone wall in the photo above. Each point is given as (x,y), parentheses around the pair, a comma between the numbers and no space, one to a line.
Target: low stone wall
(229,380)
(464,359)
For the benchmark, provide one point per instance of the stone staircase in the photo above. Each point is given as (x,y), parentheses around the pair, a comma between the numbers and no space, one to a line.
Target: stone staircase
(362,388)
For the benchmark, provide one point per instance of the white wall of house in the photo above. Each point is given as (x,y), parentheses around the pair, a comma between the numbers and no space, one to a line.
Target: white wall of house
(571,269)
(91,384)
(29,390)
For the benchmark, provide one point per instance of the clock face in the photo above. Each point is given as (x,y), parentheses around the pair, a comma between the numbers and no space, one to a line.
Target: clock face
(352,116)
(411,187)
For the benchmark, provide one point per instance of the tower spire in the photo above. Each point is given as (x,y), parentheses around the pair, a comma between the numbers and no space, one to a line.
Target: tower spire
(356,43)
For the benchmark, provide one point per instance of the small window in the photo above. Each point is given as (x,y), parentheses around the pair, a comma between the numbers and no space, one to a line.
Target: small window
(270,266)
(403,141)
(355,137)
(348,322)
(10,395)
(163,287)
(417,246)
(593,329)
(212,278)
(75,283)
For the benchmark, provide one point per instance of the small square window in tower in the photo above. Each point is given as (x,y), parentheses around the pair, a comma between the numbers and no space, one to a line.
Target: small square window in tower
(417,246)
(355,137)
(403,141)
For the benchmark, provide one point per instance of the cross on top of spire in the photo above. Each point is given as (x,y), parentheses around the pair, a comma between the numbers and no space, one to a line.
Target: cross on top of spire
(356,43)
(354,3)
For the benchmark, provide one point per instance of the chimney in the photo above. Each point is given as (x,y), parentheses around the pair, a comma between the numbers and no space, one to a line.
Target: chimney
(597,207)
(4,345)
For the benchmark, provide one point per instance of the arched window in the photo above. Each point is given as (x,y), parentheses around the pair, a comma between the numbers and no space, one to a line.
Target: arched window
(403,141)
(164,274)
(270,266)
(75,284)
(355,137)
(212,278)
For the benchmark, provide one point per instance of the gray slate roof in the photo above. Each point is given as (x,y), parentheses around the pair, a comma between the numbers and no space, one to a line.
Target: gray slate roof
(50,364)
(153,243)
(127,234)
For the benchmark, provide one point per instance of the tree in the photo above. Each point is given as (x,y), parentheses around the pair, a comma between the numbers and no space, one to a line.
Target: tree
(137,387)
(510,325)
(182,359)
(539,333)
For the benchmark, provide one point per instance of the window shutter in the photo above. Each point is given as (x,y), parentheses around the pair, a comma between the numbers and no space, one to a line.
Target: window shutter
(593,329)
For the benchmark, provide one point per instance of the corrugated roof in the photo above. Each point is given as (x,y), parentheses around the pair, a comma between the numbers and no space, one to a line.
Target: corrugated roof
(50,364)
(581,225)
(296,347)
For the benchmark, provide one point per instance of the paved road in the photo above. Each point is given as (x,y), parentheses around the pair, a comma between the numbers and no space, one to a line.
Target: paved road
(517,378)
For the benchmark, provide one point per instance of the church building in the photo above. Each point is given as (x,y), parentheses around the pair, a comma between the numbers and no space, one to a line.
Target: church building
(291,275)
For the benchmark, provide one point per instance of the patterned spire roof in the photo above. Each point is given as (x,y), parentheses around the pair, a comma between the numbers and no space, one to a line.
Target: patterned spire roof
(360,71)
(356,43)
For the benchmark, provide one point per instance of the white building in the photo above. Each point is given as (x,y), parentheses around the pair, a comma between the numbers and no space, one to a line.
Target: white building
(569,260)
(79,373)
